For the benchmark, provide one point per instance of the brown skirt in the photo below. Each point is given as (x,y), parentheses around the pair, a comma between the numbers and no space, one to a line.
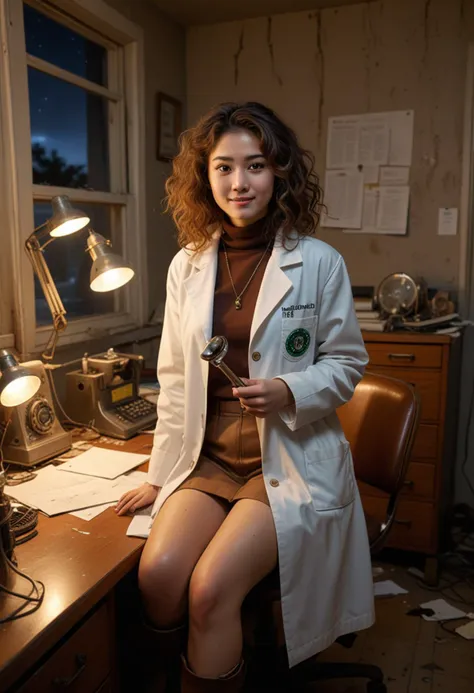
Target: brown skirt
(230,464)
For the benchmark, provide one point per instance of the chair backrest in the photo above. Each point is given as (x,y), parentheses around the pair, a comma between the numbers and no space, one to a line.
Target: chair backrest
(380,423)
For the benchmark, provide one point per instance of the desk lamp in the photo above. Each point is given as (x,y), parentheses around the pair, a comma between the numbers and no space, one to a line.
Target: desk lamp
(17,385)
(108,270)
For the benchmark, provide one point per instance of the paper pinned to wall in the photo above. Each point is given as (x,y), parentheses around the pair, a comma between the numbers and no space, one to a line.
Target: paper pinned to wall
(343,142)
(343,199)
(392,212)
(371,174)
(374,141)
(369,212)
(447,221)
(394,175)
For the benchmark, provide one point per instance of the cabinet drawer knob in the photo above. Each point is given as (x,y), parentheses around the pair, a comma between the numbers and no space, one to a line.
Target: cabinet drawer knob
(409,483)
(62,684)
(402,357)
(405,523)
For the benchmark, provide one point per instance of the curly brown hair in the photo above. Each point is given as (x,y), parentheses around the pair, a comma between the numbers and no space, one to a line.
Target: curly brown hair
(296,200)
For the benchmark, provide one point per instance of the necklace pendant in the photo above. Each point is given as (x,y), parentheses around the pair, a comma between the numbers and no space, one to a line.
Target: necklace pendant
(238,304)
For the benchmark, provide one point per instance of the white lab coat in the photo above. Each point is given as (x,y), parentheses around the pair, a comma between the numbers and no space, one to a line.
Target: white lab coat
(324,559)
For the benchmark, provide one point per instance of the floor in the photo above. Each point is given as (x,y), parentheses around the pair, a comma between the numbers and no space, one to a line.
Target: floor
(417,656)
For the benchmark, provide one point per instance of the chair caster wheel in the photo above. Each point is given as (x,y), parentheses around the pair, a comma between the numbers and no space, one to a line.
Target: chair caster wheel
(376,687)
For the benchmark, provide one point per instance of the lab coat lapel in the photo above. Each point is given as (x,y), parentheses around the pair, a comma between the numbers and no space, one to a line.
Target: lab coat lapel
(276,283)
(200,287)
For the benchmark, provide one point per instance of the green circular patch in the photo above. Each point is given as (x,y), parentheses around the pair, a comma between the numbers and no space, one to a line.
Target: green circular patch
(297,342)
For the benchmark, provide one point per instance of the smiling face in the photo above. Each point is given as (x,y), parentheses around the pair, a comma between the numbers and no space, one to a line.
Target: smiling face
(240,177)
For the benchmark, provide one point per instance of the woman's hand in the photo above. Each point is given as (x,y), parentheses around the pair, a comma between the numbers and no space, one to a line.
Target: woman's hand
(138,498)
(264,397)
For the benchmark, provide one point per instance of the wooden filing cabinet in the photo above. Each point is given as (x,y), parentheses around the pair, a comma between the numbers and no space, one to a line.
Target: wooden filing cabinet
(431,364)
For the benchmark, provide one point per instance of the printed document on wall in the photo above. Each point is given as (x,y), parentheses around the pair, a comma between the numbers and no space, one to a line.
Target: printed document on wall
(392,212)
(343,142)
(401,137)
(374,141)
(344,192)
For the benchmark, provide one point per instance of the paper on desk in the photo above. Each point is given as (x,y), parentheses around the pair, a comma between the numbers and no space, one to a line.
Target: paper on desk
(140,525)
(442,611)
(104,463)
(127,483)
(385,588)
(54,492)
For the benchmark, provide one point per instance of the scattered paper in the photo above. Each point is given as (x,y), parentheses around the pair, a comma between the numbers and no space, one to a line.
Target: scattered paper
(385,588)
(394,175)
(442,611)
(447,221)
(104,463)
(140,526)
(466,631)
(90,513)
(343,199)
(392,212)
(343,142)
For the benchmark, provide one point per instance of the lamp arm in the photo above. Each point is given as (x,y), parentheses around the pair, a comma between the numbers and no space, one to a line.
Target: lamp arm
(56,307)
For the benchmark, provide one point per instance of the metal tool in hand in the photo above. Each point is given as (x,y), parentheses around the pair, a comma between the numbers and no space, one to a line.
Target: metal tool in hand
(214,353)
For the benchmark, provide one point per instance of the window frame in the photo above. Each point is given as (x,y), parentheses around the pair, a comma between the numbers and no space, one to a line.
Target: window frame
(124,41)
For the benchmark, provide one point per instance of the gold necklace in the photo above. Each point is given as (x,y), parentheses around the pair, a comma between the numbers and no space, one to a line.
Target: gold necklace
(238,297)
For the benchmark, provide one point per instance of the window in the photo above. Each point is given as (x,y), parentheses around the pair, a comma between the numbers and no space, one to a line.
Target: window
(73,104)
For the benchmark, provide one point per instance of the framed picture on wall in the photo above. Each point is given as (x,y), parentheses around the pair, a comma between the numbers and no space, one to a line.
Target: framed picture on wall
(169,124)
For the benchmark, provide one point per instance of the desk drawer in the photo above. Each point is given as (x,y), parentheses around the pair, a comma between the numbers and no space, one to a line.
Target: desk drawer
(419,483)
(414,523)
(427,384)
(405,355)
(81,664)
(425,446)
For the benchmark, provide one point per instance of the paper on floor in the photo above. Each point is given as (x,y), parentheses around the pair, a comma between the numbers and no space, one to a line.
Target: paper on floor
(466,631)
(385,588)
(442,611)
(104,463)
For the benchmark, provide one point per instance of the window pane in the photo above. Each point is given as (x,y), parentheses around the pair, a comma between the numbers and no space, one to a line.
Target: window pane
(55,43)
(69,134)
(70,266)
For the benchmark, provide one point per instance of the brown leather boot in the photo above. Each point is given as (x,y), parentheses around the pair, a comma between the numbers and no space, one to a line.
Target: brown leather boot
(232,683)
(164,648)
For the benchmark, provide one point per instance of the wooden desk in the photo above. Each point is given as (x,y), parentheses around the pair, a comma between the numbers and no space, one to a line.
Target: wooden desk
(80,564)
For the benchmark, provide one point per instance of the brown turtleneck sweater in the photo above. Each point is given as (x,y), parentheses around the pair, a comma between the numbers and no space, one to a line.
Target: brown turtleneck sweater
(245,246)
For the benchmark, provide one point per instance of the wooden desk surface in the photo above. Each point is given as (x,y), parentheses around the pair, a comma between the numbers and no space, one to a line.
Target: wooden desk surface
(78,570)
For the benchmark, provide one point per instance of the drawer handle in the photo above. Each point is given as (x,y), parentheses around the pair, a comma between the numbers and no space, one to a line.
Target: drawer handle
(409,483)
(405,523)
(402,357)
(62,683)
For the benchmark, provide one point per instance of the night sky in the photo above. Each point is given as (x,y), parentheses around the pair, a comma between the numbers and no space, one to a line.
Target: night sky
(58,109)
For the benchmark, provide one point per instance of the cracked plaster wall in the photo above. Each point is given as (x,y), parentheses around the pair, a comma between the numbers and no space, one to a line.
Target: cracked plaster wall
(386,55)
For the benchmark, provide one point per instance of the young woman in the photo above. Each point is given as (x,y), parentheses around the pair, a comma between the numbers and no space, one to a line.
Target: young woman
(244,480)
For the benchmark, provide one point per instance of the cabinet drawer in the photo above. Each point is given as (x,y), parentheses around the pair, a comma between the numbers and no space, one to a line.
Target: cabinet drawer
(420,480)
(425,445)
(82,663)
(405,355)
(414,523)
(427,384)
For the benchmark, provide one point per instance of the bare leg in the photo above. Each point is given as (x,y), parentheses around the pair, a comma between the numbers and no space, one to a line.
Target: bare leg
(241,554)
(181,531)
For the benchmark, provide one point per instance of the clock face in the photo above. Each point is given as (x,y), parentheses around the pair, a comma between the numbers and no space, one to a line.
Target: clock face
(397,294)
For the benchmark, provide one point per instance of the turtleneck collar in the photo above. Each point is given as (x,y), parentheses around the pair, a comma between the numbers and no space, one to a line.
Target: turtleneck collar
(244,237)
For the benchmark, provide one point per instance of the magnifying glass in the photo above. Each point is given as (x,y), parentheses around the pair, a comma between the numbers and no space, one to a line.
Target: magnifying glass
(215,351)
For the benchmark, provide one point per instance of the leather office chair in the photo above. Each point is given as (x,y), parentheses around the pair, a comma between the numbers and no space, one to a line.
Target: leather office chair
(380,423)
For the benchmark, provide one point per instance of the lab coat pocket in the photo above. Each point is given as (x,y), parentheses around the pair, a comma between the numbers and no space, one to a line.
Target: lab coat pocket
(298,338)
(330,476)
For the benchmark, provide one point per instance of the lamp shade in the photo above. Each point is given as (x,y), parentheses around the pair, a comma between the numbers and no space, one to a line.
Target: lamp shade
(109,271)
(65,219)
(17,383)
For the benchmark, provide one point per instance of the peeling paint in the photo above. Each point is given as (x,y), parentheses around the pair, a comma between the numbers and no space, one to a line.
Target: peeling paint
(371,42)
(426,26)
(270,50)
(434,160)
(320,60)
(237,56)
